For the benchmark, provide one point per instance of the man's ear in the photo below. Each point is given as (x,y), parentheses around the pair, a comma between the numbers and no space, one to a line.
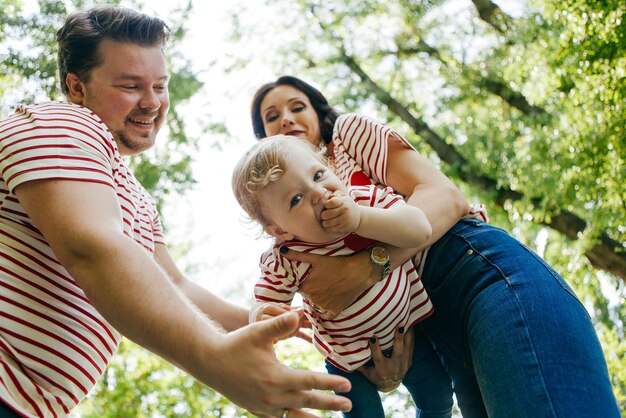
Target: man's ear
(76,88)
(275,231)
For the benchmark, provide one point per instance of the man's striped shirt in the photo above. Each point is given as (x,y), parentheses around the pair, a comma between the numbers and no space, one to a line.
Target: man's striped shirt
(54,345)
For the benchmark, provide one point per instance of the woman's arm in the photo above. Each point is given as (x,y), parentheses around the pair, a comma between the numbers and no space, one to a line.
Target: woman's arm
(425,187)
(335,282)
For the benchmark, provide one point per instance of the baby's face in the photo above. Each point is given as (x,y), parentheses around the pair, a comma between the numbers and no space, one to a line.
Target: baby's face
(295,202)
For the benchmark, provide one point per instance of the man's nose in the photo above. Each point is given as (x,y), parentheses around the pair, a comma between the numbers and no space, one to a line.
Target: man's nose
(150,100)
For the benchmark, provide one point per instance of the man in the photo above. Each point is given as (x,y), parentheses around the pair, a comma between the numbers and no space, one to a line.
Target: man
(82,257)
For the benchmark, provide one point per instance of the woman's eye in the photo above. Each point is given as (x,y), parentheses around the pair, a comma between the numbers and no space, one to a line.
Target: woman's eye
(296,199)
(297,109)
(271,118)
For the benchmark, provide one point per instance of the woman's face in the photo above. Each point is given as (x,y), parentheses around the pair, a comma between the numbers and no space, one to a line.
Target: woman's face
(288,111)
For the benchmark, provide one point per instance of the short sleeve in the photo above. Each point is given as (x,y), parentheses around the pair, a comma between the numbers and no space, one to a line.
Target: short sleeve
(277,282)
(375,197)
(56,141)
(365,140)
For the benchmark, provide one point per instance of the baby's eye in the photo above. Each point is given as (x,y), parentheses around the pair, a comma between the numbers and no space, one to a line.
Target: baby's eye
(318,175)
(296,199)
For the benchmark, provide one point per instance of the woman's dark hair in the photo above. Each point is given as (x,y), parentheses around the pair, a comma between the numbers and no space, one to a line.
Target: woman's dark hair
(325,113)
(83,31)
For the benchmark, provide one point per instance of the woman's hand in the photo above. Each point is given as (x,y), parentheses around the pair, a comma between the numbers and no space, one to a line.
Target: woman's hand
(335,282)
(388,373)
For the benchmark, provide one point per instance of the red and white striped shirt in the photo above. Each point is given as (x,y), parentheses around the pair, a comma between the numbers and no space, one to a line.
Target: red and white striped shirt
(360,149)
(398,300)
(54,345)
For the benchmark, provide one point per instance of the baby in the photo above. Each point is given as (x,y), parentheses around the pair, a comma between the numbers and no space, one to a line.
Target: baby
(285,185)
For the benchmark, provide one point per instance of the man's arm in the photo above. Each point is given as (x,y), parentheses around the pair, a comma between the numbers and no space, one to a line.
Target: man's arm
(229,315)
(83,225)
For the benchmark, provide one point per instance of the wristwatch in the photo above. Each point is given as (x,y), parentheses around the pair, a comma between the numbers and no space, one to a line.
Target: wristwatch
(380,256)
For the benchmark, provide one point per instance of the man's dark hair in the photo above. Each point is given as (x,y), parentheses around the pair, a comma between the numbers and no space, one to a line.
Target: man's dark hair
(325,113)
(79,38)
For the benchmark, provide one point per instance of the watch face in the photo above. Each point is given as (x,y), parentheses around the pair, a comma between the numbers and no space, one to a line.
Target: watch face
(380,255)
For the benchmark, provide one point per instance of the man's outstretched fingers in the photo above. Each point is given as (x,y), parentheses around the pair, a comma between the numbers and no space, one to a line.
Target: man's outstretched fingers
(279,327)
(305,379)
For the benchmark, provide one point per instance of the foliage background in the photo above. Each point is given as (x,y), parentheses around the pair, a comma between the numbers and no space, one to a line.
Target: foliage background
(522,107)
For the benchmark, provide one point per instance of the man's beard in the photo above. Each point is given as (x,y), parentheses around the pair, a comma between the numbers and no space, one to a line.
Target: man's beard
(134,146)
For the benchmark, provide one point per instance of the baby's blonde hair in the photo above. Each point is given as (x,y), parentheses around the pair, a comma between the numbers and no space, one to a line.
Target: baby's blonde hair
(263,164)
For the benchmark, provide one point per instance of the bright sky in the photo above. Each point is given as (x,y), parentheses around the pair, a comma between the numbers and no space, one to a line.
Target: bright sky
(223,249)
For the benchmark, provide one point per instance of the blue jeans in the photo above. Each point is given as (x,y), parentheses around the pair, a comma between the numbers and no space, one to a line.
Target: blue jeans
(511,333)
(426,380)
(6,412)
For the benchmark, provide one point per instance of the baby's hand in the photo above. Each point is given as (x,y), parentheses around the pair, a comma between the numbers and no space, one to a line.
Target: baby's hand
(269,310)
(341,214)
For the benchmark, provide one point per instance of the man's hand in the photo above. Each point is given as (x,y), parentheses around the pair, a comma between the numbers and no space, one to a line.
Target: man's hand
(245,369)
(270,310)
(341,214)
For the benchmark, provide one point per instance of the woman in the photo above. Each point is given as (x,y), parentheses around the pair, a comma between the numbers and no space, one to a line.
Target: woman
(510,332)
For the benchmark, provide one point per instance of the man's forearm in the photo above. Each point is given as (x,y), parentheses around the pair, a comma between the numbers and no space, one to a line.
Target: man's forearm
(139,300)
(229,315)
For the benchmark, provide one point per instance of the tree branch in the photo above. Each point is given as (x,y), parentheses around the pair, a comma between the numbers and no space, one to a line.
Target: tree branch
(493,15)
(606,254)
(491,84)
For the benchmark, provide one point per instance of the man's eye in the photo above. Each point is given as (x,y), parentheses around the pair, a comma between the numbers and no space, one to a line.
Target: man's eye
(296,199)
(129,87)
